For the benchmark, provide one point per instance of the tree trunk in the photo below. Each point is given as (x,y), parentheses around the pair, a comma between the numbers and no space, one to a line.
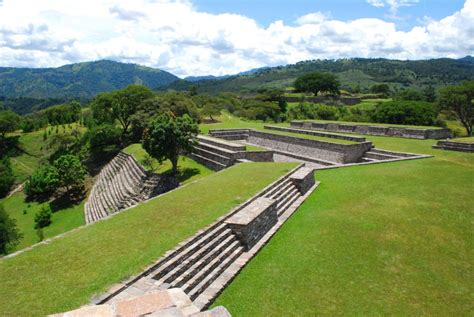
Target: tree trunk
(174,163)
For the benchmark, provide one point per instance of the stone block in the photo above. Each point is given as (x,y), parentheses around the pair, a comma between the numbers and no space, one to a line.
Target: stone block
(303,179)
(87,311)
(219,311)
(254,220)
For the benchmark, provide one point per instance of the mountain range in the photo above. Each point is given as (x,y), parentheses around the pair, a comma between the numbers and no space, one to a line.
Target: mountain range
(28,89)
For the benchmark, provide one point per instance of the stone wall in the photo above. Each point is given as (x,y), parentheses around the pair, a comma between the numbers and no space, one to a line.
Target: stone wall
(334,152)
(317,133)
(303,179)
(256,156)
(253,221)
(455,146)
(412,133)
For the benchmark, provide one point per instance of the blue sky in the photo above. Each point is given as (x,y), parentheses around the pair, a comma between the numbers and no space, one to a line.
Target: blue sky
(217,37)
(267,11)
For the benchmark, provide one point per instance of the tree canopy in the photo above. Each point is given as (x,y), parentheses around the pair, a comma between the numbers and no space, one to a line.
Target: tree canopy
(170,136)
(9,122)
(460,101)
(9,234)
(318,83)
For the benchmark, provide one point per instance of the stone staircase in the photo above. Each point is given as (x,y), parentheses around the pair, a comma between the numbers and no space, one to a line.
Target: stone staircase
(214,153)
(197,263)
(375,155)
(455,146)
(123,183)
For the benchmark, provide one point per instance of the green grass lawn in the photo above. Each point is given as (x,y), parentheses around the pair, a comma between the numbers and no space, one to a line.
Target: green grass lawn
(189,170)
(63,220)
(65,273)
(466,139)
(384,239)
(227,121)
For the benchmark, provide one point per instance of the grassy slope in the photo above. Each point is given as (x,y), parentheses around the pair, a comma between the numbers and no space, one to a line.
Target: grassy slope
(466,139)
(64,274)
(63,220)
(386,239)
(189,169)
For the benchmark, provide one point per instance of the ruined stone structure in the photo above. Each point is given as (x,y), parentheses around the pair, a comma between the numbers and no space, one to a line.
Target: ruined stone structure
(165,303)
(455,146)
(205,263)
(123,183)
(412,133)
(317,133)
(218,154)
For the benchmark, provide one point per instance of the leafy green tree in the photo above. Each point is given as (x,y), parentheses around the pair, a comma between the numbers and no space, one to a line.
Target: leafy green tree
(43,217)
(383,89)
(193,90)
(169,136)
(430,93)
(460,101)
(103,138)
(42,182)
(409,95)
(120,105)
(7,178)
(10,236)
(405,112)
(71,172)
(210,110)
(9,122)
(179,104)
(318,82)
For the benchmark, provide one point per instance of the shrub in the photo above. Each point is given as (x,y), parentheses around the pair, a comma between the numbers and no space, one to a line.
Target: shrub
(9,234)
(43,217)
(313,111)
(42,182)
(405,112)
(6,177)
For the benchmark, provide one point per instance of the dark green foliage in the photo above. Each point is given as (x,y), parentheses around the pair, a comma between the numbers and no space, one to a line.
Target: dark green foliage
(62,114)
(255,109)
(409,94)
(83,80)
(317,83)
(405,112)
(43,217)
(383,89)
(430,93)
(9,234)
(459,100)
(25,105)
(170,136)
(313,111)
(7,178)
(210,109)
(179,104)
(43,182)
(71,172)
(120,105)
(9,122)
(103,138)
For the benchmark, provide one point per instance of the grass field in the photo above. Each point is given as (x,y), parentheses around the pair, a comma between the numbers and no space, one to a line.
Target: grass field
(65,273)
(63,220)
(385,239)
(466,139)
(189,170)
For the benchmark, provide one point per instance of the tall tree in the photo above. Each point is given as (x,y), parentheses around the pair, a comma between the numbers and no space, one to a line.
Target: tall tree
(170,136)
(9,122)
(460,101)
(9,234)
(318,82)
(71,171)
(7,178)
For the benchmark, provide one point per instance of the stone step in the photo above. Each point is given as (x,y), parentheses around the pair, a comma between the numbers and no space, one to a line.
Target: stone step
(198,263)
(285,192)
(187,250)
(221,144)
(281,209)
(378,156)
(277,188)
(397,154)
(227,161)
(218,267)
(287,196)
(216,166)
(200,254)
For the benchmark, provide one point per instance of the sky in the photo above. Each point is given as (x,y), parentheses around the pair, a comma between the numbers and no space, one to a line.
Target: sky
(217,37)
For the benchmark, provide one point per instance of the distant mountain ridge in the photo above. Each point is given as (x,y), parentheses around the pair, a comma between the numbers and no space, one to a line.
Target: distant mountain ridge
(81,80)
(353,73)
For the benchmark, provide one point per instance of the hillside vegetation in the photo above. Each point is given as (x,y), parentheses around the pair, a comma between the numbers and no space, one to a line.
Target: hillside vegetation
(82,80)
(354,74)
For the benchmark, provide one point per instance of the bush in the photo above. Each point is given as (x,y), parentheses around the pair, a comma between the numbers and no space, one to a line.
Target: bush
(6,177)
(42,182)
(103,138)
(9,234)
(405,112)
(43,217)
(313,111)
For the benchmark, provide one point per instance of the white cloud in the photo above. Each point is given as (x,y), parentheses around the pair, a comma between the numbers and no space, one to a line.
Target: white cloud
(393,5)
(174,36)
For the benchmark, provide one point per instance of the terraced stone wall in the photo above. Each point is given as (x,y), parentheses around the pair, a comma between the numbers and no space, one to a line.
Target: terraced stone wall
(411,133)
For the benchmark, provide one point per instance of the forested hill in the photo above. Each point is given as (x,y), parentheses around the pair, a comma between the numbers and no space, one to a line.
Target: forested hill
(82,80)
(353,73)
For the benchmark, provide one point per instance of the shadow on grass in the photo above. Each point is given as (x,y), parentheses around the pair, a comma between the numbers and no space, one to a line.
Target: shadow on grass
(184,173)
(67,200)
